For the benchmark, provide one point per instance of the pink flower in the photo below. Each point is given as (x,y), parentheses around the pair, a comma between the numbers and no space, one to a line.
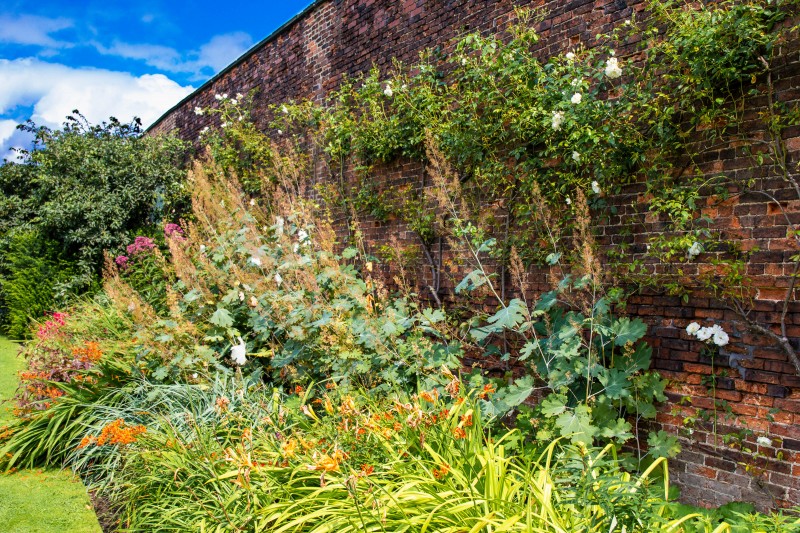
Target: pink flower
(52,326)
(140,245)
(173,230)
(122,261)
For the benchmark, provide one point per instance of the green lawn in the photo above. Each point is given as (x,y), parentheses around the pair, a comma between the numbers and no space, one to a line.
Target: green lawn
(36,501)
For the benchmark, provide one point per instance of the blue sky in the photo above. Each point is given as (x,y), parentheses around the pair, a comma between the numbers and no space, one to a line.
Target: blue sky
(118,58)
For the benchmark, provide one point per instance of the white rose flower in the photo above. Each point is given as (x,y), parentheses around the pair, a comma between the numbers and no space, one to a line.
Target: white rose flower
(238,353)
(198,110)
(692,328)
(558,119)
(764,441)
(576,98)
(613,70)
(704,334)
(596,187)
(694,250)
(255,260)
(719,337)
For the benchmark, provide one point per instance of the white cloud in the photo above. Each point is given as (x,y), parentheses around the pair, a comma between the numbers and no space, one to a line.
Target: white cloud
(209,59)
(33,30)
(222,50)
(7,129)
(161,57)
(54,90)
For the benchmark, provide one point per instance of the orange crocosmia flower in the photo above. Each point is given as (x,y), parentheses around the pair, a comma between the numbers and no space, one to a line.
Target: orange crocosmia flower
(398,426)
(289,448)
(367,469)
(386,432)
(116,433)
(466,420)
(487,390)
(439,473)
(459,433)
(330,385)
(298,390)
(429,396)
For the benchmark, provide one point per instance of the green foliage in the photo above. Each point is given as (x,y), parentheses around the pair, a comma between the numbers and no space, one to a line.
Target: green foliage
(37,279)
(81,190)
(363,462)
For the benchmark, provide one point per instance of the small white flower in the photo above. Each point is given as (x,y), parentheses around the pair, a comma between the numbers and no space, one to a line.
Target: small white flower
(576,98)
(576,156)
(202,248)
(388,90)
(296,247)
(569,202)
(596,187)
(403,87)
(558,119)
(463,60)
(278,279)
(224,96)
(217,97)
(252,202)
(238,353)
(194,375)
(234,101)
(198,110)
(570,56)
(704,334)
(692,328)
(720,338)
(204,131)
(694,250)
(302,236)
(255,260)
(764,441)
(280,132)
(613,70)
(239,96)
(225,124)
(627,22)
(279,225)
(576,82)
(241,296)
(284,110)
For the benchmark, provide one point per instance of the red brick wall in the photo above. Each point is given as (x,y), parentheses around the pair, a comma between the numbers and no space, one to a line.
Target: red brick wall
(344,37)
